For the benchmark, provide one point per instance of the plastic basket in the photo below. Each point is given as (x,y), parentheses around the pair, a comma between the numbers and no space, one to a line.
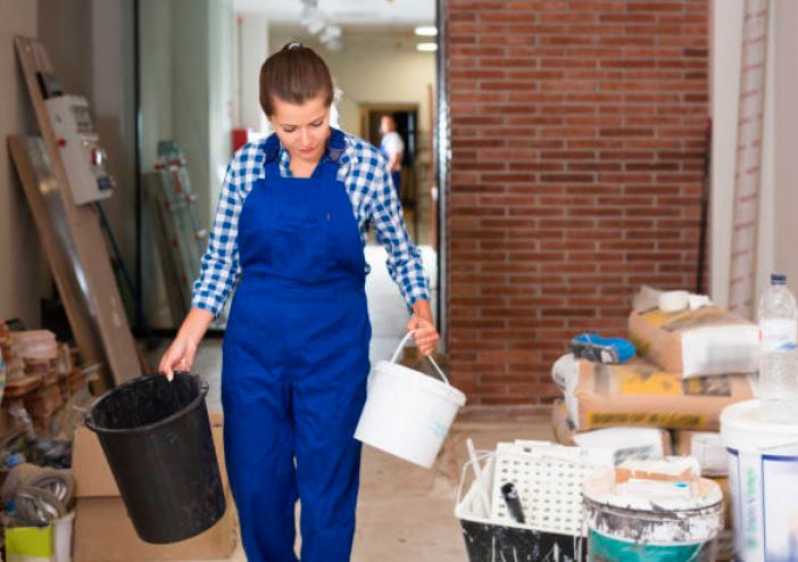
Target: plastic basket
(489,541)
(549,480)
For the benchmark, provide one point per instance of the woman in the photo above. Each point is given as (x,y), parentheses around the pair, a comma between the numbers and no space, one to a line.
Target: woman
(289,231)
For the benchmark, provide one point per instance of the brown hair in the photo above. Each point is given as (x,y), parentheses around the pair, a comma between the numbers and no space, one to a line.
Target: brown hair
(294,74)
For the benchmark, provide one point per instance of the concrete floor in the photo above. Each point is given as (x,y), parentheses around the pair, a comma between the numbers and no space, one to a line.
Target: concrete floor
(405,512)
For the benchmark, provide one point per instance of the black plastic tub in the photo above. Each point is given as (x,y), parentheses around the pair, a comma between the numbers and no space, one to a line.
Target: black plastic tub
(156,436)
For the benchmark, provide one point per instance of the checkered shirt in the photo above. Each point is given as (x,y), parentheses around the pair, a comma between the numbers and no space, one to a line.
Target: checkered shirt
(365,174)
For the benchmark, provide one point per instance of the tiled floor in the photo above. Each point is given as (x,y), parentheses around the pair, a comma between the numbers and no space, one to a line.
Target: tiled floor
(405,513)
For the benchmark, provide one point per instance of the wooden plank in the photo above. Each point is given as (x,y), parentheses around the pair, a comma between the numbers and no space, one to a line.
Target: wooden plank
(45,200)
(106,307)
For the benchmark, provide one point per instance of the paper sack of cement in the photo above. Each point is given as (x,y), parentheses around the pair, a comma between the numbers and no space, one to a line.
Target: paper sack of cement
(706,341)
(624,442)
(641,395)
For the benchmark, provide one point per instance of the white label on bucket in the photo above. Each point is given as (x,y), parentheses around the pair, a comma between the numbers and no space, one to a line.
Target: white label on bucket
(765,506)
(780,524)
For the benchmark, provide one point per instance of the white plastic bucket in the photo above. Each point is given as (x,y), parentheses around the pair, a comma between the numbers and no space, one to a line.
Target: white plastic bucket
(407,413)
(763,471)
(62,537)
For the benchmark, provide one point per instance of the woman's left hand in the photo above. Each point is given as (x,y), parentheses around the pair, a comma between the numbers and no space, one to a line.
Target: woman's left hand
(424,332)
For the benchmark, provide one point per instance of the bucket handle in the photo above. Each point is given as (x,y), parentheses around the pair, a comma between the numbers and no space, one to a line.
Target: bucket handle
(402,345)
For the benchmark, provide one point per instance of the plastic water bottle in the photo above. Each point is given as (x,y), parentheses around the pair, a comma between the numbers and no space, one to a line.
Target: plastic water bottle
(778,364)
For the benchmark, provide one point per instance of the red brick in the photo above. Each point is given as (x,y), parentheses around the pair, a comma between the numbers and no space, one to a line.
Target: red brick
(578,152)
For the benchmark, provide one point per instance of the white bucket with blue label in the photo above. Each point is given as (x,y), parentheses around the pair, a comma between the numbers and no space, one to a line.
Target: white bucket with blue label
(763,472)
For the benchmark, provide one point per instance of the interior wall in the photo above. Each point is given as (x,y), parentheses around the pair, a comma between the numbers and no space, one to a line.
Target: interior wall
(155,26)
(786,140)
(250,51)
(112,94)
(220,96)
(25,275)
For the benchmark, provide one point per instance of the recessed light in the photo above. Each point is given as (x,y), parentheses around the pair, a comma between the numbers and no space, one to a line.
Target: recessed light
(427,30)
(427,47)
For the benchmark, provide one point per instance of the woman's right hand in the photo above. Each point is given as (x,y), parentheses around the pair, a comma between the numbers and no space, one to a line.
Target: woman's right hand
(179,356)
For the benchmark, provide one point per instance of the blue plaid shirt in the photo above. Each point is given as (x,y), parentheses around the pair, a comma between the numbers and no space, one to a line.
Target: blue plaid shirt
(365,174)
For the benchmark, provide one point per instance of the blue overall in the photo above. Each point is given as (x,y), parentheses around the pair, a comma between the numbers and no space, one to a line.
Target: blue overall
(295,362)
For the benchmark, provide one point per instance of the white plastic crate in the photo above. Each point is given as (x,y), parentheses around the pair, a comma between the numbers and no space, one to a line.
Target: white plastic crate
(490,541)
(548,479)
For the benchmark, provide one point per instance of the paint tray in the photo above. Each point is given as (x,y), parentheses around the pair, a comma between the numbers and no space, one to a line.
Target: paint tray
(490,540)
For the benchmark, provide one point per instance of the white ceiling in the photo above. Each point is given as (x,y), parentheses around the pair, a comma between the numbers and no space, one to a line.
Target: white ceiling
(347,12)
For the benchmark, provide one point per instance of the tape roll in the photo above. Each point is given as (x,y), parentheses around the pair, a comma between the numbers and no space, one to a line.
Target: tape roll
(674,301)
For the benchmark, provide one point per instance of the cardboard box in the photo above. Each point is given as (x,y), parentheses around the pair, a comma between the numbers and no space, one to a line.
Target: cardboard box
(103,530)
(641,395)
(706,341)
(707,447)
(625,442)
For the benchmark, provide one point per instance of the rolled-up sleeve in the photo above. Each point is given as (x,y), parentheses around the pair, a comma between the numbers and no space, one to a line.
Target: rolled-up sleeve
(404,258)
(220,267)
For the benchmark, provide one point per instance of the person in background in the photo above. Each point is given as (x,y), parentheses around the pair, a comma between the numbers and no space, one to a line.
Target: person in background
(289,236)
(393,147)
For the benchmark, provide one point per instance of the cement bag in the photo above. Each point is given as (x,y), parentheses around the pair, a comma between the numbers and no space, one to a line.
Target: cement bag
(639,394)
(624,442)
(707,448)
(706,341)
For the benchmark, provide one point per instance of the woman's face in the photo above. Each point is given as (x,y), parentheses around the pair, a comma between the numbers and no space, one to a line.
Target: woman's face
(302,129)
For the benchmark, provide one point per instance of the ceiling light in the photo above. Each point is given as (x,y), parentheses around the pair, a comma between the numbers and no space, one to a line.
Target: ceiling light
(427,47)
(427,30)
(330,33)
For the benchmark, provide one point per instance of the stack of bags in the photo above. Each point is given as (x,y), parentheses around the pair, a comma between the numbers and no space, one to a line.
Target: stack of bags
(691,363)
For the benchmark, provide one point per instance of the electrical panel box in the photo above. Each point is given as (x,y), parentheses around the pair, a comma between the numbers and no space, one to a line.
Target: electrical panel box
(83,157)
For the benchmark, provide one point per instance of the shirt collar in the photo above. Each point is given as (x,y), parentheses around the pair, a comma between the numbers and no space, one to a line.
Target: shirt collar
(336,147)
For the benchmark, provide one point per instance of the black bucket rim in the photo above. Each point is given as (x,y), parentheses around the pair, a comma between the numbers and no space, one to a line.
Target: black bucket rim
(89,419)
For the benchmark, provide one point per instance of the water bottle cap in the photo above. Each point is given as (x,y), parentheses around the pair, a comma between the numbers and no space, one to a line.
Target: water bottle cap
(778,279)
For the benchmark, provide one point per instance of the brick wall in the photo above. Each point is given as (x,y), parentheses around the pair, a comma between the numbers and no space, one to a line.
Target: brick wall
(578,145)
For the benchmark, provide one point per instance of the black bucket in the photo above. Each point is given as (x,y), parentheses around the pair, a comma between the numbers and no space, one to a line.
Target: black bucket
(156,436)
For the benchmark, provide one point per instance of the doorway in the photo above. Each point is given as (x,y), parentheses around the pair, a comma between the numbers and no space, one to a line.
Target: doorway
(406,118)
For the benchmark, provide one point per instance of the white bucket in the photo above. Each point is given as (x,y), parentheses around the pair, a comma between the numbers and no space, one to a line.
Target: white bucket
(652,519)
(763,471)
(407,413)
(62,537)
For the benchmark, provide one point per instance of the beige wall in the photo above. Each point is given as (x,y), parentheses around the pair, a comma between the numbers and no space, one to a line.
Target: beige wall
(786,142)
(23,272)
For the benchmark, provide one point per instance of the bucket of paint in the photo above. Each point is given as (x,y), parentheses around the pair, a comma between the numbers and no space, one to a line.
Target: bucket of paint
(156,436)
(763,471)
(652,517)
(408,413)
